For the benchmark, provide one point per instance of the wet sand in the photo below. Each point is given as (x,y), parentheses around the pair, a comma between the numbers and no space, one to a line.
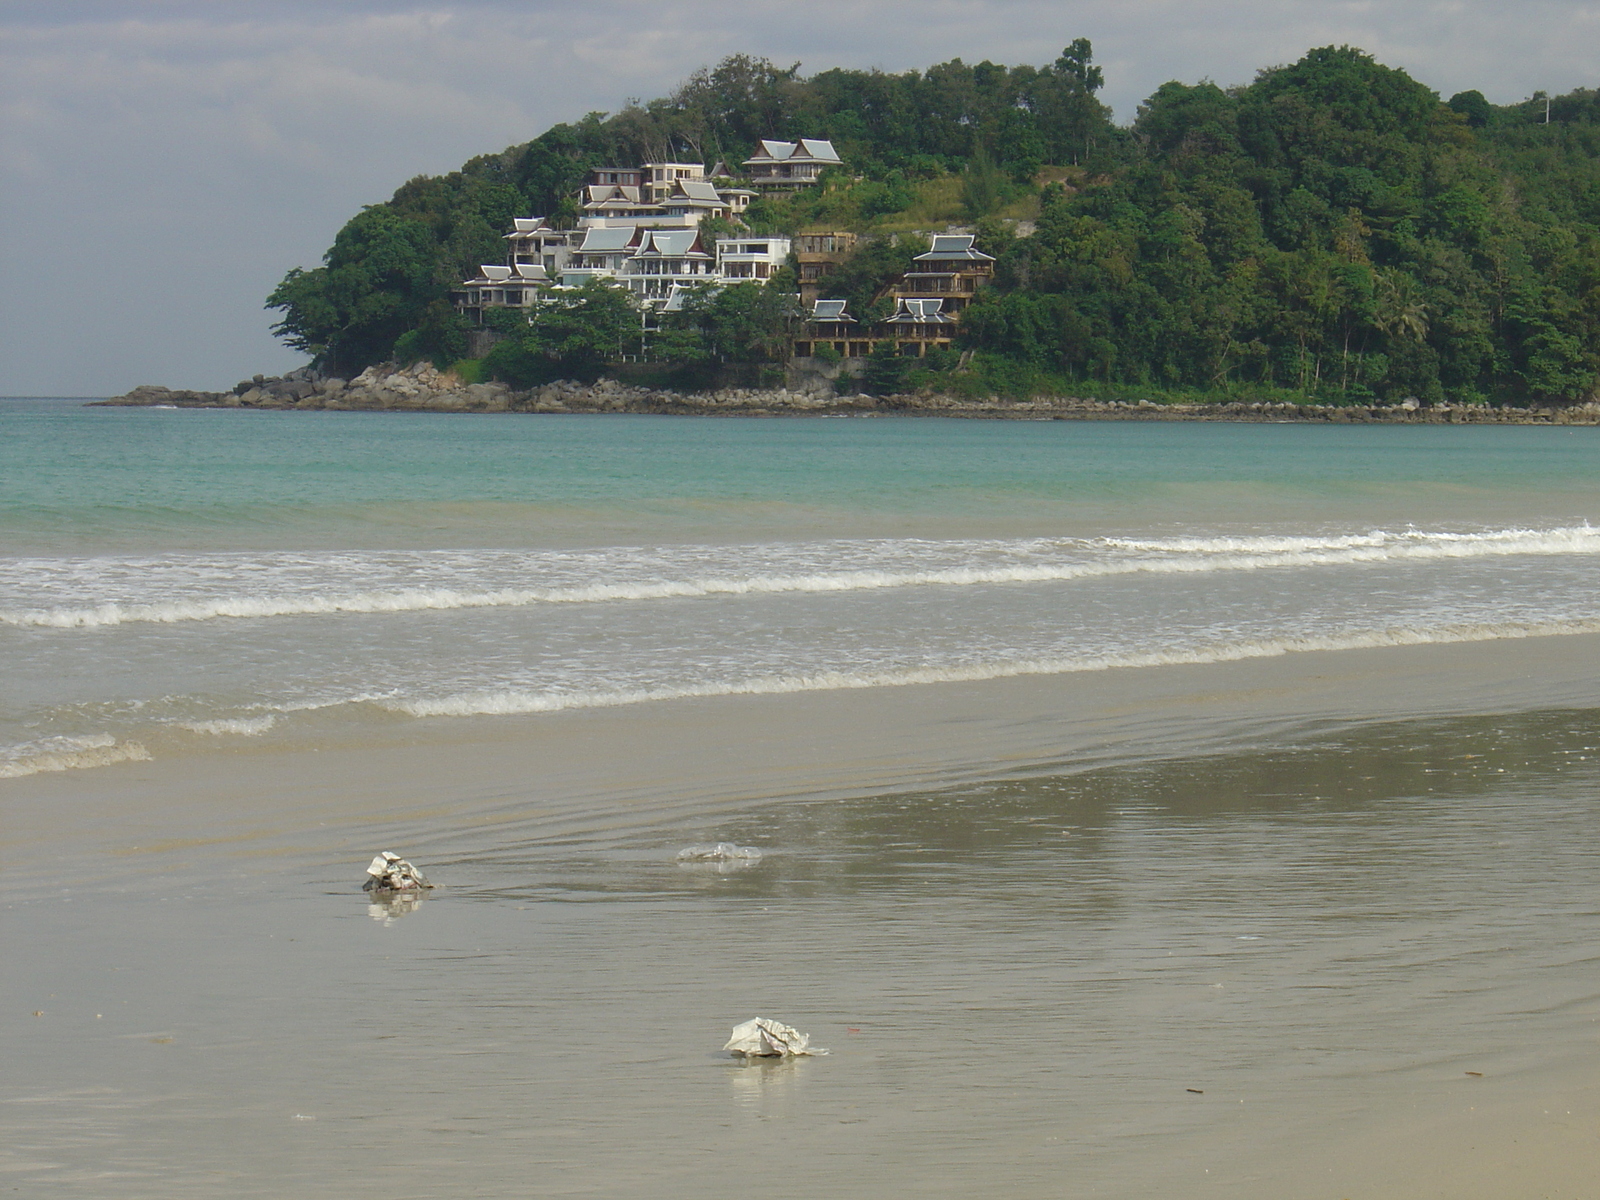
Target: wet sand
(1348,898)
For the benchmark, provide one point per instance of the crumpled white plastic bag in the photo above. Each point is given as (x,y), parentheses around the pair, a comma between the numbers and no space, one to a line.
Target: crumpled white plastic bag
(762,1038)
(391,873)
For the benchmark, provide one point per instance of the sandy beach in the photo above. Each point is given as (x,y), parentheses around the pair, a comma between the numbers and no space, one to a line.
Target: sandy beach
(1201,810)
(1133,852)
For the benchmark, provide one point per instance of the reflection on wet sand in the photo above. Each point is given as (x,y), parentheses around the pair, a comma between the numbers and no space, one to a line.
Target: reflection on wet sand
(1246,975)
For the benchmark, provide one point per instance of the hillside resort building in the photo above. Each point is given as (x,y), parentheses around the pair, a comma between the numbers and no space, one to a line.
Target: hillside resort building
(640,229)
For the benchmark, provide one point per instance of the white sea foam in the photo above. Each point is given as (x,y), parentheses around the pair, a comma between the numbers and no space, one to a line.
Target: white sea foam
(242,726)
(512,701)
(67,754)
(1104,557)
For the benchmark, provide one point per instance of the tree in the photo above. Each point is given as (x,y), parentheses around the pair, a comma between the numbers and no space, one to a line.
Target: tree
(748,322)
(571,334)
(886,370)
(378,280)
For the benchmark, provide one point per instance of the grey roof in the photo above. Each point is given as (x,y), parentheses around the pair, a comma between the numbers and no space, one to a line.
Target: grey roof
(830,310)
(697,189)
(809,149)
(921,310)
(819,148)
(948,246)
(601,240)
(672,243)
(532,271)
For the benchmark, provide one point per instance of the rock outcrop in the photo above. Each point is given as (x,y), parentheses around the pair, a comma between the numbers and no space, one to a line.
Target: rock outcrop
(423,388)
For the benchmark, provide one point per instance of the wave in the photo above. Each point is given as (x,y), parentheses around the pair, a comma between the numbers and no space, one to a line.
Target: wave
(1136,556)
(242,726)
(1573,539)
(511,701)
(68,754)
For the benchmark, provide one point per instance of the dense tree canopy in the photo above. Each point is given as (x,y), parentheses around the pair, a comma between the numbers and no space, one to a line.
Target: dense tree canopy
(1332,228)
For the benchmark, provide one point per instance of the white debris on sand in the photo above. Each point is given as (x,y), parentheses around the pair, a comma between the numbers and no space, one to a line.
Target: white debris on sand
(391,873)
(762,1038)
(721,852)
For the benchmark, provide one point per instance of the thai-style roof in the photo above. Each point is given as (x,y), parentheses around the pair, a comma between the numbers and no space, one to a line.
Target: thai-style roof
(923,311)
(533,271)
(948,246)
(601,241)
(698,189)
(606,193)
(671,243)
(806,149)
(830,310)
(496,274)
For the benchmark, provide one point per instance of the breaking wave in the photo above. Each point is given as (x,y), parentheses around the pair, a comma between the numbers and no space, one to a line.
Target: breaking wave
(240,726)
(511,701)
(1091,559)
(68,754)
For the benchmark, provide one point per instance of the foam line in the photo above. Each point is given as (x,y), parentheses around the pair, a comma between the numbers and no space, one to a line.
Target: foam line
(68,754)
(511,701)
(1175,556)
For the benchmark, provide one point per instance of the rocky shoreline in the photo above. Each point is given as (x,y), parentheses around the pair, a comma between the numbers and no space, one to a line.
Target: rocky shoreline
(422,388)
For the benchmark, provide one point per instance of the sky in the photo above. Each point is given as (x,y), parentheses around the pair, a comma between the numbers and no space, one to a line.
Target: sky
(163,163)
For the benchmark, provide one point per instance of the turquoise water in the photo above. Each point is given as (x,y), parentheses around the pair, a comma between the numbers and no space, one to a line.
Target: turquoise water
(174,575)
(125,478)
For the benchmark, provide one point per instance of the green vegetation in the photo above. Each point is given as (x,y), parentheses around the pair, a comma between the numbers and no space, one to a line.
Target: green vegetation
(1332,230)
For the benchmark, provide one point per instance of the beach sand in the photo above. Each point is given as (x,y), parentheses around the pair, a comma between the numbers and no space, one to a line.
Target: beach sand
(1315,925)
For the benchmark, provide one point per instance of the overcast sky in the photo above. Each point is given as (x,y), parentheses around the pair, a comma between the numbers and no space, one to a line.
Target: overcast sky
(164,162)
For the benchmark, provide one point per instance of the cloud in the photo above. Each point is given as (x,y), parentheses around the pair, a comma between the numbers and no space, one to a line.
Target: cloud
(164,162)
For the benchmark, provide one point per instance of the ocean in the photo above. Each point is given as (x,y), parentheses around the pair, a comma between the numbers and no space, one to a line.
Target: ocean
(1141,806)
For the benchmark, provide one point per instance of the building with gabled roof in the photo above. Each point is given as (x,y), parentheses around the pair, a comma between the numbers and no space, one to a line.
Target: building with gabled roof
(532,240)
(514,286)
(952,270)
(660,260)
(599,255)
(919,325)
(614,200)
(659,178)
(828,324)
(779,167)
(694,198)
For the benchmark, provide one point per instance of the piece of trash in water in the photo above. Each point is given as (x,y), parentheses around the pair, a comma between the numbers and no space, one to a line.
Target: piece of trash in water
(762,1038)
(1196,1091)
(391,873)
(1478,1074)
(721,852)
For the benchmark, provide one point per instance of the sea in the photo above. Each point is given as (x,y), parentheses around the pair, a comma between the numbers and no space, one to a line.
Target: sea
(1134,808)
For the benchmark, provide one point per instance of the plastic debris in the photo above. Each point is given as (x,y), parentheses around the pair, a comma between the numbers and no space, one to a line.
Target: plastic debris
(721,852)
(762,1038)
(391,873)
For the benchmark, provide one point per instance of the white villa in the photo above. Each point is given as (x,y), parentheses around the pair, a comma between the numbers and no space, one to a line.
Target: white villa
(780,167)
(640,227)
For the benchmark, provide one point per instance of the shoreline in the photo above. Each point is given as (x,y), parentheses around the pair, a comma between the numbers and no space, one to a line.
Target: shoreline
(423,388)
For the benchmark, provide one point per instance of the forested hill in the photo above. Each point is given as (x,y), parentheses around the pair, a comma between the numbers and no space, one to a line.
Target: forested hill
(1332,229)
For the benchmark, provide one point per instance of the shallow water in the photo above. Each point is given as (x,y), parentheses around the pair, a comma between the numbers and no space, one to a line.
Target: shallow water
(1019,984)
(1091,764)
